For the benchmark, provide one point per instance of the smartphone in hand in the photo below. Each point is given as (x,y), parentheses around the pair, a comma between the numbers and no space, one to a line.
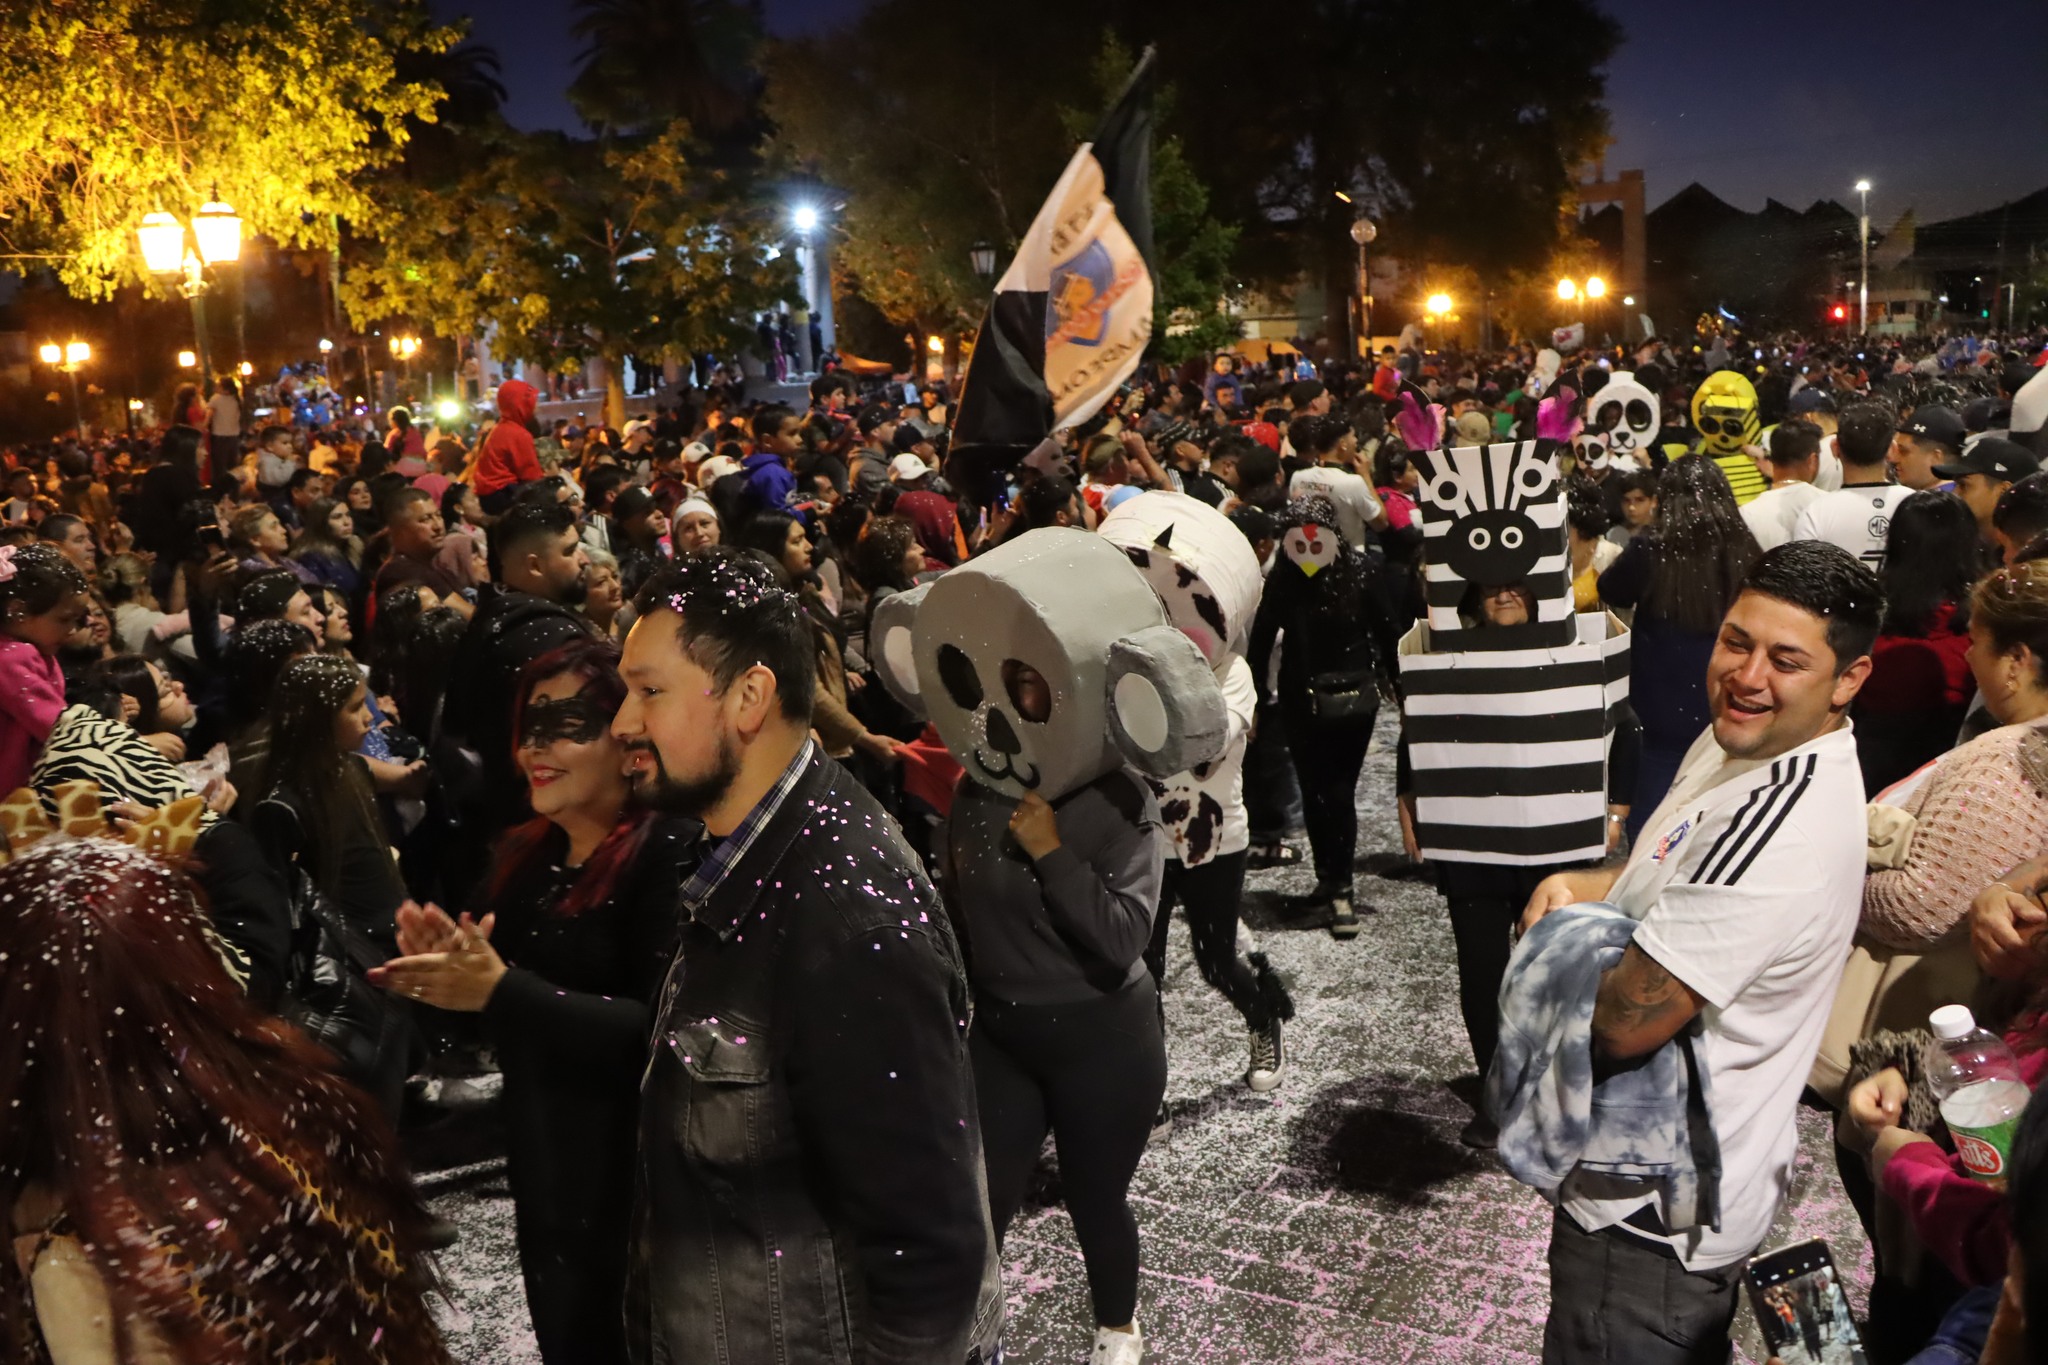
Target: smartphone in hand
(1799,1303)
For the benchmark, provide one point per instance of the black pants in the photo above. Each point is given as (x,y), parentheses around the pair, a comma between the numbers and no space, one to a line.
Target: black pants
(1616,1299)
(1093,1073)
(1209,895)
(1328,755)
(1483,928)
(1272,799)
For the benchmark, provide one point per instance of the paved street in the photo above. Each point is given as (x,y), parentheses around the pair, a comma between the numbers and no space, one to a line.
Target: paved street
(1335,1220)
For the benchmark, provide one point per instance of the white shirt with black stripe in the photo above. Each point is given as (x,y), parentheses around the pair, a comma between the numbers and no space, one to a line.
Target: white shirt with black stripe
(1747,880)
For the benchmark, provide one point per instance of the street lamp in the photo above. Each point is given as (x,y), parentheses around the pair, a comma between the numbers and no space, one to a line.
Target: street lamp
(1596,287)
(1863,239)
(187,360)
(804,217)
(215,239)
(1437,305)
(1567,290)
(245,369)
(69,359)
(1363,231)
(982,257)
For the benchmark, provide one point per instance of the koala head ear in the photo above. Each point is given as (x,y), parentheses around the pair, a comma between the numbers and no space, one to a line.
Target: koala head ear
(891,639)
(1166,712)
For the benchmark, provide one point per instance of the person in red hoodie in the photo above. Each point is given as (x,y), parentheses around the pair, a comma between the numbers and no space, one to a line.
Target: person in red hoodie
(507,462)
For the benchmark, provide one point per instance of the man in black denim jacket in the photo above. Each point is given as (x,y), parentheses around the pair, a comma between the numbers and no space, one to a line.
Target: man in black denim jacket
(810,1185)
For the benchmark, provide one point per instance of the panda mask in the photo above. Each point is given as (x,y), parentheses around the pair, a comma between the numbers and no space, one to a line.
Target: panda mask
(1121,686)
(1626,413)
(1200,566)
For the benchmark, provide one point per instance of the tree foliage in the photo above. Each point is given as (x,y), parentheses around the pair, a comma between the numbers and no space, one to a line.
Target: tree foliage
(1460,138)
(118,108)
(573,251)
(648,63)
(946,126)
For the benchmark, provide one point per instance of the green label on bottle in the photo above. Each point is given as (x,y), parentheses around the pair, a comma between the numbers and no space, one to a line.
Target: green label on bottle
(1983,1149)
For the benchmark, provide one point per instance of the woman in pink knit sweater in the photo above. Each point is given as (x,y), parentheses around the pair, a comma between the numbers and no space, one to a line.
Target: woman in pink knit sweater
(1983,807)
(42,602)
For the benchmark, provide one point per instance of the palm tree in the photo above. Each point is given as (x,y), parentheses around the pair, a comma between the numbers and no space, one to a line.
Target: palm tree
(647,62)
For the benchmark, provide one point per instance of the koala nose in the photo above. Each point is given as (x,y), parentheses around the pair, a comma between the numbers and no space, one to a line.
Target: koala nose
(1001,735)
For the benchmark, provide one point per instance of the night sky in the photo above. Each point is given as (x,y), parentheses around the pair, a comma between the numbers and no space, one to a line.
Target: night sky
(1752,98)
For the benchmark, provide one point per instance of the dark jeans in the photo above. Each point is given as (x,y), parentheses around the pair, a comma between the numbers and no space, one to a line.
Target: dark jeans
(1653,780)
(1328,755)
(1093,1073)
(1272,798)
(1483,927)
(1616,1299)
(1209,895)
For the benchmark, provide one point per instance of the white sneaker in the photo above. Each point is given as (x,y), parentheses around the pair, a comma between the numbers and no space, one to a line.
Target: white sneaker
(1247,942)
(1117,1348)
(1268,1057)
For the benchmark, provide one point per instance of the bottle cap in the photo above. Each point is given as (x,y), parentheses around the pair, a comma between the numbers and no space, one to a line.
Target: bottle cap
(1951,1022)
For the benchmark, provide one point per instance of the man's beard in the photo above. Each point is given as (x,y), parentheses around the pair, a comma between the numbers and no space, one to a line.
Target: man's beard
(657,791)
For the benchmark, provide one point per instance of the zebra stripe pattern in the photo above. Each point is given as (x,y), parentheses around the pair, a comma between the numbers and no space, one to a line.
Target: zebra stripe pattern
(1509,747)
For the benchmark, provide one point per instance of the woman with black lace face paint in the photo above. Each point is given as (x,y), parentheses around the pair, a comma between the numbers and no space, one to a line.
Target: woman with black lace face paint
(562,956)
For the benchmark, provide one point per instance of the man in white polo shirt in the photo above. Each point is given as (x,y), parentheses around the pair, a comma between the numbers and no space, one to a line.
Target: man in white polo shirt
(1747,882)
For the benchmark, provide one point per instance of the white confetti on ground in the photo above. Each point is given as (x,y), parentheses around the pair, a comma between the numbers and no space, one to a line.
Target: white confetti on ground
(1334,1220)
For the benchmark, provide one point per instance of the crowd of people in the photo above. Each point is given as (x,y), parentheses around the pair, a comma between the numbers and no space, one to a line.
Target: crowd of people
(570,753)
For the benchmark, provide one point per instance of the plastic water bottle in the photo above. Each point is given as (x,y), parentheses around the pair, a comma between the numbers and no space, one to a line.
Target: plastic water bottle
(1977,1079)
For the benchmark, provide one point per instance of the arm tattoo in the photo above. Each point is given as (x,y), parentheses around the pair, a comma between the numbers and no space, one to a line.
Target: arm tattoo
(1638,997)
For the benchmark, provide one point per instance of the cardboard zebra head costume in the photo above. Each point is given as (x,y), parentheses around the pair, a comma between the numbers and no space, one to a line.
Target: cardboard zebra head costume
(1493,515)
(1122,685)
(1508,726)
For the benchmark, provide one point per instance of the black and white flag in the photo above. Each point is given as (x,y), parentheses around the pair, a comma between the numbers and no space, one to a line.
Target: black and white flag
(1073,313)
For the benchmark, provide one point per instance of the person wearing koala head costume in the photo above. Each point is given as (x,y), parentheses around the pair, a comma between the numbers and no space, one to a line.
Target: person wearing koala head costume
(1051,671)
(812,1027)
(1207,578)
(1336,652)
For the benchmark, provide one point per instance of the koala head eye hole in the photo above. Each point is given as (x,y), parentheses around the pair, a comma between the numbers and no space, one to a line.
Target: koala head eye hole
(1029,691)
(956,671)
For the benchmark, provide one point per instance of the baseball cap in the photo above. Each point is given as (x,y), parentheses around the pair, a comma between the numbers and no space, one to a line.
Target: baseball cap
(1265,433)
(872,416)
(1933,422)
(696,452)
(905,468)
(1809,400)
(1994,457)
(716,468)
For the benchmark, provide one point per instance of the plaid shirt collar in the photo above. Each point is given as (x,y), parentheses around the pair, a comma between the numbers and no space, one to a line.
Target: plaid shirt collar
(728,851)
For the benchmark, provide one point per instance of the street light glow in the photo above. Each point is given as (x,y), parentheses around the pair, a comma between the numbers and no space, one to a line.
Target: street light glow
(245,369)
(51,353)
(163,243)
(219,230)
(803,217)
(934,345)
(1439,304)
(1567,290)
(448,409)
(1628,300)
(1596,287)
(1863,187)
(187,360)
(77,353)
(326,346)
